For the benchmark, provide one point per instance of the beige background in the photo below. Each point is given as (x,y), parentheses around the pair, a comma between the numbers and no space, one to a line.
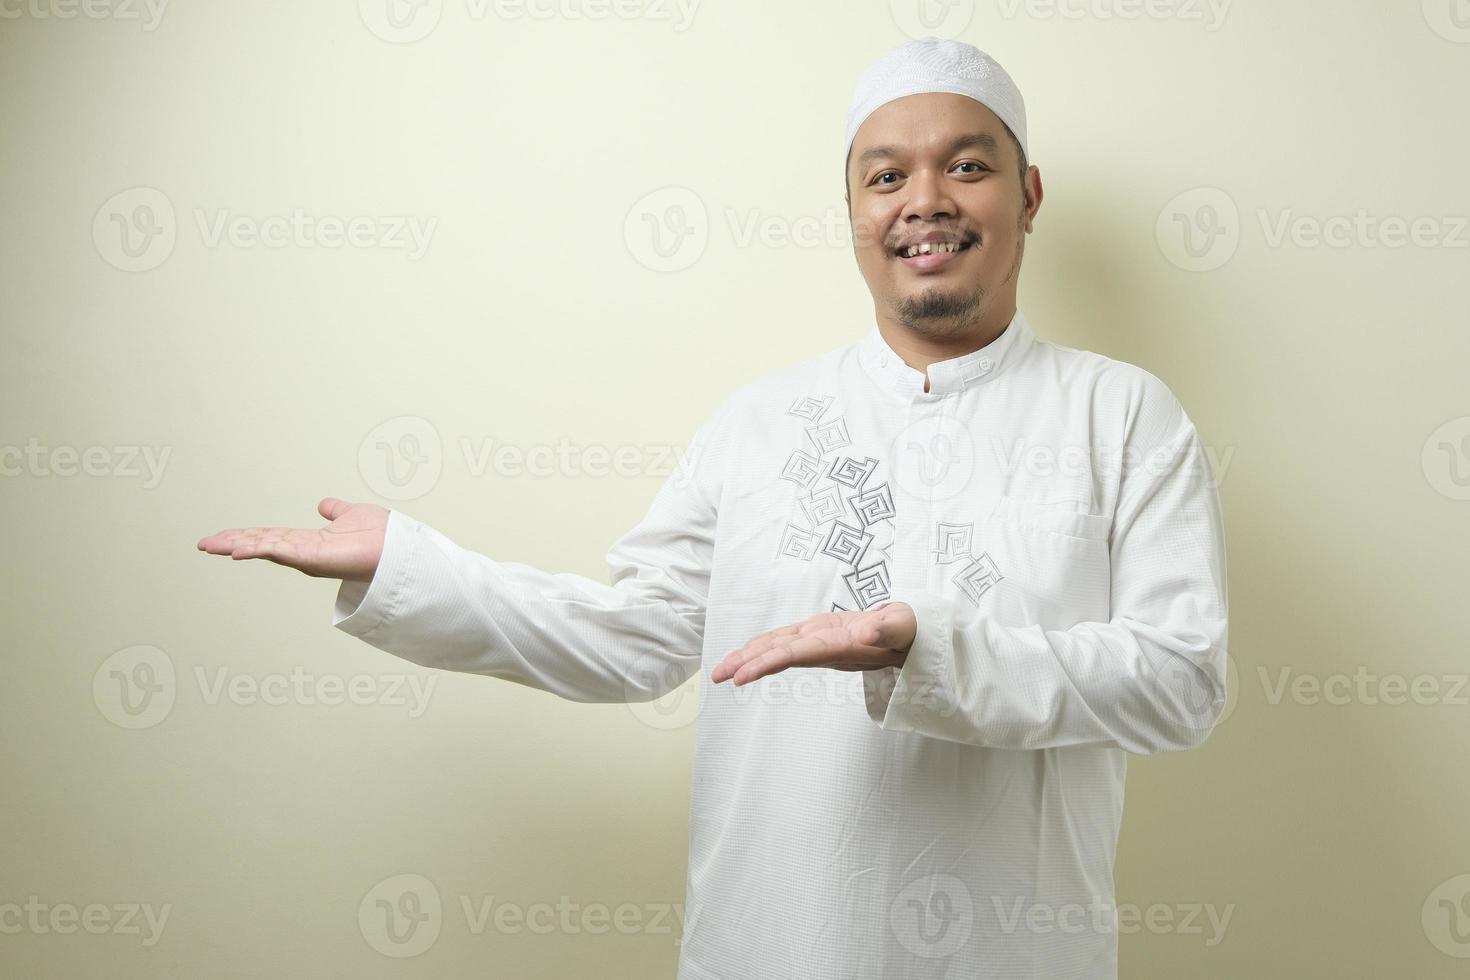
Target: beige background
(1329,379)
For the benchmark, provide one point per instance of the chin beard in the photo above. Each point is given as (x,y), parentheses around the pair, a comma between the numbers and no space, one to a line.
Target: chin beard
(934,309)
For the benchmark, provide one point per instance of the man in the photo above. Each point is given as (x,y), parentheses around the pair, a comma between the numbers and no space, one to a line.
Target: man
(971,570)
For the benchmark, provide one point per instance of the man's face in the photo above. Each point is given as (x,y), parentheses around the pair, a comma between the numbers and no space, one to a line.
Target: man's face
(939,166)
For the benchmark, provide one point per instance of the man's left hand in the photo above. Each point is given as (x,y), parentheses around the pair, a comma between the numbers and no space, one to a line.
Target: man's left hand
(864,640)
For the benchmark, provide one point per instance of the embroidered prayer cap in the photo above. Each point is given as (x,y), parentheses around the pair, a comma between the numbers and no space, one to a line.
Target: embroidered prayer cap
(934,64)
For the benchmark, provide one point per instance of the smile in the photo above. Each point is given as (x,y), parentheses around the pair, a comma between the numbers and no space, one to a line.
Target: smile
(931,255)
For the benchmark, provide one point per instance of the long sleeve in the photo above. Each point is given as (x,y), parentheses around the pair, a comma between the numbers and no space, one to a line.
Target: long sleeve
(437,604)
(1151,679)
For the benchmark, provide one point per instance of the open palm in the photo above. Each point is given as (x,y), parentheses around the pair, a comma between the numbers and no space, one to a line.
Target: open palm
(847,640)
(348,548)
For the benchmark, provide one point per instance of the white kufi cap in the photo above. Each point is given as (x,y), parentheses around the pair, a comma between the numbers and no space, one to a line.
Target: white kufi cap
(938,65)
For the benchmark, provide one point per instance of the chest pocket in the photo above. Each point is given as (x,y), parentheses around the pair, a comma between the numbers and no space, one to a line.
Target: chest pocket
(1051,563)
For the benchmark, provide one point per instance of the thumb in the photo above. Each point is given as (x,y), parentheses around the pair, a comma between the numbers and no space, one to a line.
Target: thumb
(332,508)
(875,631)
(883,629)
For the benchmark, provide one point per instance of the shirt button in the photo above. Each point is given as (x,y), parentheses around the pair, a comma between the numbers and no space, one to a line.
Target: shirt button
(986,364)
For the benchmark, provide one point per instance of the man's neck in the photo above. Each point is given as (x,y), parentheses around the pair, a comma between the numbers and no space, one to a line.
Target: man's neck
(920,350)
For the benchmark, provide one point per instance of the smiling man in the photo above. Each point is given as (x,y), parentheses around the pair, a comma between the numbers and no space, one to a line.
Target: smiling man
(934,584)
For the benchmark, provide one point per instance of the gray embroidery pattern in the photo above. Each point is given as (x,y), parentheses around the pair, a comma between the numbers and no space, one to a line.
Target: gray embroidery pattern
(953,543)
(842,507)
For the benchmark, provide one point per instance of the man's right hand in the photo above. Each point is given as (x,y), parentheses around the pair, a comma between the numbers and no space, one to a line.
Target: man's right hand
(348,548)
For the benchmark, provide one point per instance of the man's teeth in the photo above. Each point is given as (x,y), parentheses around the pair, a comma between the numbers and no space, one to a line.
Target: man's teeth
(928,248)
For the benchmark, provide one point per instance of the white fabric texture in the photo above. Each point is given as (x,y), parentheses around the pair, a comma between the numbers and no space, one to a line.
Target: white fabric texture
(934,64)
(1052,517)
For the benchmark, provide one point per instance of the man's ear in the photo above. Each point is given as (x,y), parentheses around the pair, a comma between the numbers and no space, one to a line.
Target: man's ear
(1034,194)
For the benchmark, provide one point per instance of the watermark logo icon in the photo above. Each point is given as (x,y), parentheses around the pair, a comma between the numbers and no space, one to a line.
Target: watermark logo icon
(1446,917)
(135,229)
(937,457)
(667,230)
(1450,19)
(1199,230)
(401,916)
(135,687)
(1192,692)
(932,916)
(677,707)
(932,18)
(1446,459)
(401,21)
(402,458)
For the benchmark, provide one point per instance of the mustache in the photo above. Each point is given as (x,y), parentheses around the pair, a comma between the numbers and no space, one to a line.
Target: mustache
(870,232)
(964,237)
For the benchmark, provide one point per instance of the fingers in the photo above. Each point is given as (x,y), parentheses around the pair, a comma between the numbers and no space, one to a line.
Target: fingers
(825,649)
(242,542)
(760,644)
(817,647)
(279,550)
(841,640)
(726,668)
(227,541)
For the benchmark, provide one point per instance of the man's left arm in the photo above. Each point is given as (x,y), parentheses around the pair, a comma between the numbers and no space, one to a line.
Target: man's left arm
(1151,679)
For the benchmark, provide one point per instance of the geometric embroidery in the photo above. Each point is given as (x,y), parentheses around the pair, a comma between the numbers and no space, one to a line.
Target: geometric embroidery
(851,472)
(869,586)
(824,505)
(874,505)
(840,508)
(953,542)
(830,437)
(801,469)
(798,542)
(847,543)
(811,409)
(976,578)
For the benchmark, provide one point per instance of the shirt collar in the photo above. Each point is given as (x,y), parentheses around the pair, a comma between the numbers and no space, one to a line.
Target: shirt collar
(948,376)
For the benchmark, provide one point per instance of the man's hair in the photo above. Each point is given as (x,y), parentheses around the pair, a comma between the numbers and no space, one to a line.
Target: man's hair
(1020,153)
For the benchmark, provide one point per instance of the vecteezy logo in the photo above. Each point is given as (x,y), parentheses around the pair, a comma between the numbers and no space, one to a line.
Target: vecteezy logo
(667,230)
(1446,917)
(135,687)
(932,916)
(936,457)
(401,916)
(676,708)
(1192,691)
(1446,459)
(400,21)
(1450,19)
(134,230)
(1199,229)
(932,18)
(402,458)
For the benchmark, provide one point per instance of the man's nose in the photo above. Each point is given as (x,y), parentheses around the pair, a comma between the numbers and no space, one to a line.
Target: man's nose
(928,197)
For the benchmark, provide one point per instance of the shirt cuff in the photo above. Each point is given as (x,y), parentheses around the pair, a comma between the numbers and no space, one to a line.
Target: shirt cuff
(362,607)
(895,696)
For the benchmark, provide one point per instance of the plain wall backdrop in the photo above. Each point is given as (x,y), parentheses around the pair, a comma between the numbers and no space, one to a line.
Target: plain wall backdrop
(253,254)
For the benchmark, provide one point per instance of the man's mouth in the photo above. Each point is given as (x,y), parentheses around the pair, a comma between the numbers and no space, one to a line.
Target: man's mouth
(930,256)
(931,248)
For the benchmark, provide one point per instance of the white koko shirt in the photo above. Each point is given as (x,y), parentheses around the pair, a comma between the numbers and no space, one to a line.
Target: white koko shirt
(1051,516)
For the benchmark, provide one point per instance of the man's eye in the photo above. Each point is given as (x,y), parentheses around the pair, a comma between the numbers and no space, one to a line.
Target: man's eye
(886,173)
(979,168)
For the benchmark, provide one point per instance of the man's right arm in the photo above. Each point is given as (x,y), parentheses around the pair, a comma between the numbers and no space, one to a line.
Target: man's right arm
(437,604)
